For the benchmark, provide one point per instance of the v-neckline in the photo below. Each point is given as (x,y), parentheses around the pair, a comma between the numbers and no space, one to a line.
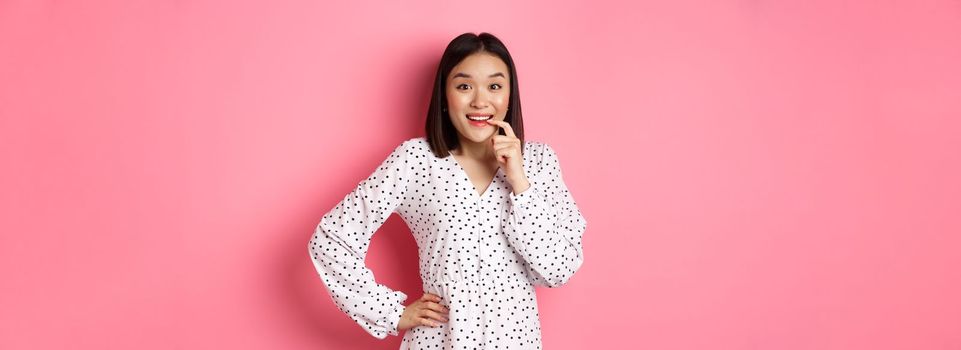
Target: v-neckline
(470,184)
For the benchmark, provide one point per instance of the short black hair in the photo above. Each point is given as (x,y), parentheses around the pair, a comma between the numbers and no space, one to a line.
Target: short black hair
(441,134)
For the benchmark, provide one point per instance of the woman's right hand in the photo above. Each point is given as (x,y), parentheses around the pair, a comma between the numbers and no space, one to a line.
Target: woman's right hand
(426,311)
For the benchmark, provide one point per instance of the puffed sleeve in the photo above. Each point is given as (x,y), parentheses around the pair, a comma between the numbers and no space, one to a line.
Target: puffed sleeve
(339,246)
(545,226)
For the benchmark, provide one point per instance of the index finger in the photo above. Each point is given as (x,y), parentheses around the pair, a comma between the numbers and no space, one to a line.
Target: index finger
(507,126)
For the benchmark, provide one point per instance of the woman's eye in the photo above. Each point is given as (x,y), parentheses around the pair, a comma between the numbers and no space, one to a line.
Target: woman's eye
(497,85)
(458,86)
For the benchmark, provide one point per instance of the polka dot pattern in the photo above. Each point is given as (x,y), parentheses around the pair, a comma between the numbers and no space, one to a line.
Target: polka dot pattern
(482,253)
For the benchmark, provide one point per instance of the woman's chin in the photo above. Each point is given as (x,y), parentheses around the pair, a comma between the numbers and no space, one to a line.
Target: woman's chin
(479,136)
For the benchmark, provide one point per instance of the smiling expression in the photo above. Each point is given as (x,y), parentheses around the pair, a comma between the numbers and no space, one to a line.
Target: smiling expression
(478,88)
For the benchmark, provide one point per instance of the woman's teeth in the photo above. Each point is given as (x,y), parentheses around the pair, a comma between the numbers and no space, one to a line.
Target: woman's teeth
(479,117)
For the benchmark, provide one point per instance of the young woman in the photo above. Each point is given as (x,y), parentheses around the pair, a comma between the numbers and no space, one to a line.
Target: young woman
(490,212)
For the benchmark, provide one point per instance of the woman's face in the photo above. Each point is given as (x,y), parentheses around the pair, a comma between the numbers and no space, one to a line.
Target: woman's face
(478,85)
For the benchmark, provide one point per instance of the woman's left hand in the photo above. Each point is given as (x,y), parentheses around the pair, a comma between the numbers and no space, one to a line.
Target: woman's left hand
(507,150)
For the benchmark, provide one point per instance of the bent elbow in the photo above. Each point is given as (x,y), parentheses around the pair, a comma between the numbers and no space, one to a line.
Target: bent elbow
(314,241)
(560,278)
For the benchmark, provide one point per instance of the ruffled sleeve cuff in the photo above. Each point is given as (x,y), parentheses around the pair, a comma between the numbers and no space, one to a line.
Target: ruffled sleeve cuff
(521,200)
(393,318)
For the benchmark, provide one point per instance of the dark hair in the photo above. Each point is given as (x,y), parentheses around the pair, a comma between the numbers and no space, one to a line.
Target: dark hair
(441,134)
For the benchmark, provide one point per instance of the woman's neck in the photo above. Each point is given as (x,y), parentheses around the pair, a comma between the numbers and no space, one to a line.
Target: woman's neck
(480,151)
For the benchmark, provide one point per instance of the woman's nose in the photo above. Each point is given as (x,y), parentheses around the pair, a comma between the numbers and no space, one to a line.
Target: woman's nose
(479,101)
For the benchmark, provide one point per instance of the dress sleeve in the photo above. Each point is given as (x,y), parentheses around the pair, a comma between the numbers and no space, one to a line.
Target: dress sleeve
(545,226)
(339,246)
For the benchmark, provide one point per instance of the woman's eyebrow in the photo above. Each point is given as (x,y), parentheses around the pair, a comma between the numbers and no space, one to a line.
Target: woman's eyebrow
(465,75)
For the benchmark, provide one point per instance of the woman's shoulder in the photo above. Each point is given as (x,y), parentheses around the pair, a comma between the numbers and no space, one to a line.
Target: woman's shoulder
(535,145)
(542,153)
(416,144)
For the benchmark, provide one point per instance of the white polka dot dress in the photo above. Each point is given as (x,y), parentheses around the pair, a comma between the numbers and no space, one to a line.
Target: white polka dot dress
(481,253)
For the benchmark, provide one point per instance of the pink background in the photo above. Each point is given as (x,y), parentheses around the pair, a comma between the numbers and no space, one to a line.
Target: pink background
(756,174)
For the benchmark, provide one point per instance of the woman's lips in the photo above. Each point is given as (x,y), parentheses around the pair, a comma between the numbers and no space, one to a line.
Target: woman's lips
(479,123)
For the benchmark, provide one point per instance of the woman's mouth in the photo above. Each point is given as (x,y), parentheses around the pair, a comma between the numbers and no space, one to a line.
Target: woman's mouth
(479,120)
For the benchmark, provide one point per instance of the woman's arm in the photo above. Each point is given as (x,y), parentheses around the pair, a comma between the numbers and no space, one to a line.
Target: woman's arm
(339,246)
(545,226)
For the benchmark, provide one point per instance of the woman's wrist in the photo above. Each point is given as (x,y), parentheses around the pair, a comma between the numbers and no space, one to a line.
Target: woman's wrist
(520,185)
